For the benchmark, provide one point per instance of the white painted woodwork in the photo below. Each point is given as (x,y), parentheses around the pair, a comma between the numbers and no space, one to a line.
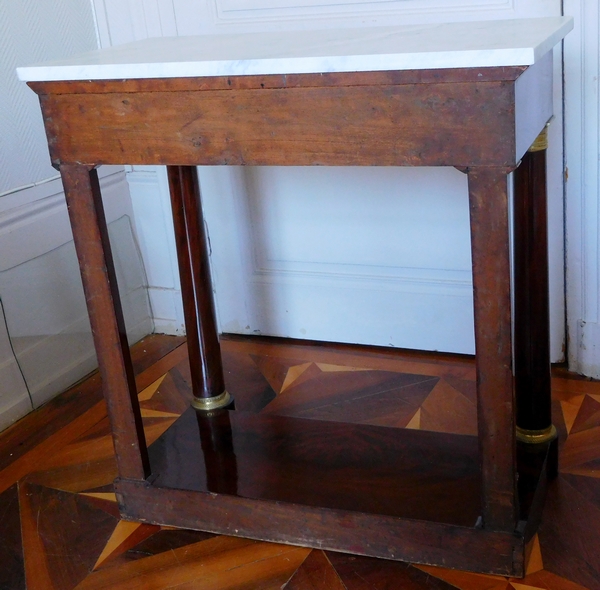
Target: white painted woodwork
(582,142)
(40,289)
(358,255)
(153,221)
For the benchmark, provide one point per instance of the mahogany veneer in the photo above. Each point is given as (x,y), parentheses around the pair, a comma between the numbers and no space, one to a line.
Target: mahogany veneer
(369,490)
(353,467)
(350,488)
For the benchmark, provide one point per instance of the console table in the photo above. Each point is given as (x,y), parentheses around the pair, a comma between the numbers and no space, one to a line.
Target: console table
(476,96)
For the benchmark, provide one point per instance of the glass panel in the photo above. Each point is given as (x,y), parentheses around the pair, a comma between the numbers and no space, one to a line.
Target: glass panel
(47,318)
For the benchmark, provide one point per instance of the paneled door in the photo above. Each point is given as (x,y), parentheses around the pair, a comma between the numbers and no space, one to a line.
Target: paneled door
(363,255)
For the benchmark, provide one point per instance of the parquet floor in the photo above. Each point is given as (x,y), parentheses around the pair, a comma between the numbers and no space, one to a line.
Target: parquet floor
(60,528)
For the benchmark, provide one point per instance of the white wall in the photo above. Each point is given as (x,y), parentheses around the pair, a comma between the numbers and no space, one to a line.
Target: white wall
(32,31)
(582,143)
(45,339)
(149,191)
(317,292)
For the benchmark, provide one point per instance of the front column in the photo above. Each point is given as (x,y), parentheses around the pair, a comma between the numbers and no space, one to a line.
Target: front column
(208,384)
(532,334)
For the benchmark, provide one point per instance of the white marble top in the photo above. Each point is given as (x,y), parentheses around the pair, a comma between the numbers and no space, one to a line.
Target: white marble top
(430,46)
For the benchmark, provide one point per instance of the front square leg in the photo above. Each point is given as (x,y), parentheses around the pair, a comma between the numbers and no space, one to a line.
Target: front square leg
(490,248)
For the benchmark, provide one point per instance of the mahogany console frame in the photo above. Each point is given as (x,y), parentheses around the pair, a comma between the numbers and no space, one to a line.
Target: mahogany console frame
(479,120)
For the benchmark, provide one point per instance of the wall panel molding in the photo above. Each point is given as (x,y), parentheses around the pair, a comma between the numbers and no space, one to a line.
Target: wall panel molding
(220,16)
(582,142)
(400,279)
(123,21)
(228,11)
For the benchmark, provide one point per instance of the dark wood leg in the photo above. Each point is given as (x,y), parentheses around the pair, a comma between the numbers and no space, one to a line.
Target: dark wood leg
(532,335)
(206,367)
(495,395)
(86,211)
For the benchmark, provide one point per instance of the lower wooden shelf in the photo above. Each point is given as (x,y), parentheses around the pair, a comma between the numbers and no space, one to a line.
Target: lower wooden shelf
(394,493)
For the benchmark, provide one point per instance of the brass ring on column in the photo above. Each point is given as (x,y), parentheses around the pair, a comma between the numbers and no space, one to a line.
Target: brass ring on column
(207,404)
(534,437)
(541,141)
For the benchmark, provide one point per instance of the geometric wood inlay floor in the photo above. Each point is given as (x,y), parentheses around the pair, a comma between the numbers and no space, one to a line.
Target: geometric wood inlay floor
(60,527)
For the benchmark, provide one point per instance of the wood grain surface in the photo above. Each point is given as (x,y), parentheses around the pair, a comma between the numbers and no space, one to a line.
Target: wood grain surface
(458,124)
(67,510)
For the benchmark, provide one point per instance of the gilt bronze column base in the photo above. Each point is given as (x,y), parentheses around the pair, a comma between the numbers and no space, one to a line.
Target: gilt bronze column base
(208,404)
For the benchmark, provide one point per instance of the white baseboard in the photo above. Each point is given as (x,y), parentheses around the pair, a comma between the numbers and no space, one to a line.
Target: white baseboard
(60,377)
(14,399)
(588,348)
(14,411)
(167,311)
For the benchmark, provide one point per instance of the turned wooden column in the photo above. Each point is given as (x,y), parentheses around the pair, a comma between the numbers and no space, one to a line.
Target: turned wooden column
(532,333)
(218,452)
(208,384)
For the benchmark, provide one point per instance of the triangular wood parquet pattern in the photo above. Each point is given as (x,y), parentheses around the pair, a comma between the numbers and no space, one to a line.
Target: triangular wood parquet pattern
(60,527)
